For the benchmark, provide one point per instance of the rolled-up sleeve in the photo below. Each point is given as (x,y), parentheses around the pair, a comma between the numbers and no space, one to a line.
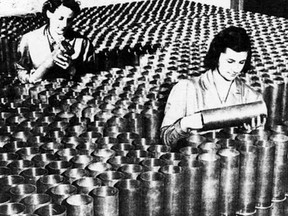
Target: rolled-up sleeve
(175,110)
(23,64)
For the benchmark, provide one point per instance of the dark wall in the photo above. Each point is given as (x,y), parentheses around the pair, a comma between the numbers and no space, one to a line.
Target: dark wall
(271,7)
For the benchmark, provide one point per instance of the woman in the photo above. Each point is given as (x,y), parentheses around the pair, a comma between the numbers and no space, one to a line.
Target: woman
(228,56)
(54,50)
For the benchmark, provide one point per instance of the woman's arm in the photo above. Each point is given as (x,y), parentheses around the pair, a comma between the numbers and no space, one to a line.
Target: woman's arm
(176,124)
(24,65)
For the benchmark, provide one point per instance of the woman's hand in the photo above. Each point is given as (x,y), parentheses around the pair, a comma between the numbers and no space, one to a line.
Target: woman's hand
(61,58)
(255,123)
(192,122)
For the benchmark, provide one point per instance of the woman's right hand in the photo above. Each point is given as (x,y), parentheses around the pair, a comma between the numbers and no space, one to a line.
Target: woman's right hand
(61,59)
(193,122)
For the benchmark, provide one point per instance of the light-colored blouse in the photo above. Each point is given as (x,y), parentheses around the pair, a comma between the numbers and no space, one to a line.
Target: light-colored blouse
(36,46)
(190,96)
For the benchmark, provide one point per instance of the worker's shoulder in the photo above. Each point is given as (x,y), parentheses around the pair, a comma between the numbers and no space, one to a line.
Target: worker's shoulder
(188,84)
(36,32)
(189,81)
(247,88)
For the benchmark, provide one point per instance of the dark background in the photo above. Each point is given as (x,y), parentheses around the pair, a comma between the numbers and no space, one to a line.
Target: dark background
(270,7)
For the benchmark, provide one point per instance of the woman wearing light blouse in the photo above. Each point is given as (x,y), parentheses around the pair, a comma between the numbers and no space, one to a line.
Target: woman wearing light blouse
(228,56)
(54,50)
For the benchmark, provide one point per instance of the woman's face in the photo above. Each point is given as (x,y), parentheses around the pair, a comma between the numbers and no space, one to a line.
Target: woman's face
(60,19)
(231,63)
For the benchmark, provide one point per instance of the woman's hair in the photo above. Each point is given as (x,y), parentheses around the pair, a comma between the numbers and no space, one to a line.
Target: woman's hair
(232,37)
(52,5)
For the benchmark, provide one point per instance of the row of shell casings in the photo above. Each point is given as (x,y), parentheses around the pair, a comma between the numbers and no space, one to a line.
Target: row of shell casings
(274,94)
(132,86)
(154,162)
(219,22)
(57,126)
(128,21)
(33,174)
(14,26)
(157,25)
(255,175)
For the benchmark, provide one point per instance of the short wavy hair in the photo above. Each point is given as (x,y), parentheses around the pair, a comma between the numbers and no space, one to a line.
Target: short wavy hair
(52,5)
(235,38)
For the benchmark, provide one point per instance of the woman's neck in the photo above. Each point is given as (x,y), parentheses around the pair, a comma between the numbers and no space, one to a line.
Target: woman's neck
(222,85)
(55,36)
(220,81)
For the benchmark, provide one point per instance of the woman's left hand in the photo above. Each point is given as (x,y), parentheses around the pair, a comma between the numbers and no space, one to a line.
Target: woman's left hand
(255,123)
(63,60)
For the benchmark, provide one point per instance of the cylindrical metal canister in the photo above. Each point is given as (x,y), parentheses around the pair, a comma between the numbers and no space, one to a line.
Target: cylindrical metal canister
(32,174)
(7,158)
(18,166)
(103,154)
(127,137)
(246,139)
(247,181)
(4,171)
(273,96)
(121,149)
(158,150)
(264,211)
(209,147)
(9,181)
(86,184)
(151,123)
(193,140)
(153,193)
(81,161)
(12,209)
(118,161)
(229,180)
(106,201)
(51,147)
(154,164)
(131,171)
(278,207)
(48,181)
(210,184)
(51,210)
(229,143)
(5,198)
(35,201)
(58,167)
(173,157)
(74,174)
(190,153)
(96,168)
(79,205)
(173,190)
(134,123)
(232,115)
(261,133)
(41,160)
(66,154)
(192,186)
(110,178)
(280,178)
(143,143)
(60,192)
(129,197)
(27,153)
(20,191)
(265,167)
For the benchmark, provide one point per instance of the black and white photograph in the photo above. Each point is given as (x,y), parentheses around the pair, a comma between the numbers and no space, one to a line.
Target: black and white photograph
(143,108)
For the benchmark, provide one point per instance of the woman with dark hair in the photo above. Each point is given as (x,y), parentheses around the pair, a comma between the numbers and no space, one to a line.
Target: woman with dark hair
(228,56)
(54,50)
